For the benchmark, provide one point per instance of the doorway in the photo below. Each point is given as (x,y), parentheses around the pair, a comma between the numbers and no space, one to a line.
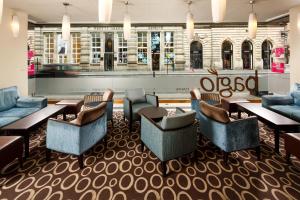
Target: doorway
(155,50)
(109,52)
(227,54)
(247,55)
(266,51)
(196,55)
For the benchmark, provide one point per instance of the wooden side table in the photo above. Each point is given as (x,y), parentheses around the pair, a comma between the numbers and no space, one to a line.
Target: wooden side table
(229,104)
(73,107)
(154,113)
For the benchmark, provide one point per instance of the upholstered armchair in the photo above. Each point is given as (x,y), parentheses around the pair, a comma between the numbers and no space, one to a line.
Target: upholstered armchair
(136,99)
(79,135)
(228,134)
(95,99)
(172,137)
(210,98)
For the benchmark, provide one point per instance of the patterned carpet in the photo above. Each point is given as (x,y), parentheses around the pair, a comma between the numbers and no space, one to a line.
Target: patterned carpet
(123,172)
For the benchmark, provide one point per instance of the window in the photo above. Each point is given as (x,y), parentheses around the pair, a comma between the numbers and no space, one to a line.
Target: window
(227,54)
(196,55)
(95,48)
(76,48)
(48,48)
(142,48)
(169,48)
(122,49)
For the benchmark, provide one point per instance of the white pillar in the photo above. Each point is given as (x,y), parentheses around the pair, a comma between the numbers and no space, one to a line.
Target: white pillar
(294,42)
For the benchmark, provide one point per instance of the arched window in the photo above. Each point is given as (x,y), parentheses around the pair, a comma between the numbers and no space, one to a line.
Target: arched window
(266,51)
(227,54)
(247,54)
(196,55)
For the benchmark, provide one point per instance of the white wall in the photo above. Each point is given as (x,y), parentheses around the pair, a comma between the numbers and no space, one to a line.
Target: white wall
(294,42)
(13,52)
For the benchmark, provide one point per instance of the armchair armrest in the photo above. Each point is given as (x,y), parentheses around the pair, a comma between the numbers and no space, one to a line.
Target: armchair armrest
(179,110)
(32,102)
(152,99)
(242,134)
(127,107)
(270,100)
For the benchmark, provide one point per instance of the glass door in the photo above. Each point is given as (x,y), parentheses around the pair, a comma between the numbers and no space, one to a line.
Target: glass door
(109,52)
(155,50)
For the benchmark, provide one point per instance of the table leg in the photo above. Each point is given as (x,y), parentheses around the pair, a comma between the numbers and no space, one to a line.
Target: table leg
(64,116)
(26,143)
(239,114)
(276,132)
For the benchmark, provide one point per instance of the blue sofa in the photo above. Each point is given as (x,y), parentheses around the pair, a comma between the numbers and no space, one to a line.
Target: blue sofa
(13,107)
(288,105)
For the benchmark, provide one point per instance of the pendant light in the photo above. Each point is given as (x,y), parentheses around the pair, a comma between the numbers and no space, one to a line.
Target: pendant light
(218,8)
(252,23)
(127,23)
(104,10)
(66,24)
(190,27)
(15,26)
(1,10)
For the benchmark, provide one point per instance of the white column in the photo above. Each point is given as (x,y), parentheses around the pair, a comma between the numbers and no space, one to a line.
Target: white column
(294,42)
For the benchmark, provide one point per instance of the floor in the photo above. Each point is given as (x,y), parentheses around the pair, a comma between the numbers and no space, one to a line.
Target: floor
(122,171)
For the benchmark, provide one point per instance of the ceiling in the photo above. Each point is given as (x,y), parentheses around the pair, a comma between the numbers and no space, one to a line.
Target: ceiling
(148,11)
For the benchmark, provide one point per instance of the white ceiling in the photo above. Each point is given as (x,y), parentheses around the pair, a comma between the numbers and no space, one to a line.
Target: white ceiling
(148,11)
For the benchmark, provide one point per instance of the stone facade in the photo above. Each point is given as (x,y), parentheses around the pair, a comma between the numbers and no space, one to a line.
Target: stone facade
(211,39)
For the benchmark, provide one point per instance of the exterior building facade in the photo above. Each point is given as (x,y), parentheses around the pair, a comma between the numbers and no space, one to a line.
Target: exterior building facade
(156,48)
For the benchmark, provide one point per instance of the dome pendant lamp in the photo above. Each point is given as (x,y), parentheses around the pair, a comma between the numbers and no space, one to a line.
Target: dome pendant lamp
(190,26)
(218,8)
(127,23)
(252,23)
(66,24)
(104,10)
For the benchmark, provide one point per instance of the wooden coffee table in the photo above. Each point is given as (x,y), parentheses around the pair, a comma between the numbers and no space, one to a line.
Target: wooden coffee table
(272,119)
(72,106)
(229,104)
(154,113)
(24,126)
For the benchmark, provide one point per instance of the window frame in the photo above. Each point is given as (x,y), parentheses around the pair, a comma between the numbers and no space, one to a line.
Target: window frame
(122,49)
(98,49)
(142,47)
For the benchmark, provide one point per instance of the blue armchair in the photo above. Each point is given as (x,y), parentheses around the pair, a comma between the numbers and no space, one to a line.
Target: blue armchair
(136,99)
(287,105)
(229,135)
(171,138)
(79,135)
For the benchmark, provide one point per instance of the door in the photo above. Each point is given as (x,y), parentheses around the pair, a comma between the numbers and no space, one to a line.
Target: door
(266,54)
(155,50)
(227,54)
(109,52)
(196,55)
(247,54)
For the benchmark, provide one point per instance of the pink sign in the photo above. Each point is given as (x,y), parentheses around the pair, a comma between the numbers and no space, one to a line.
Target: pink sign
(278,67)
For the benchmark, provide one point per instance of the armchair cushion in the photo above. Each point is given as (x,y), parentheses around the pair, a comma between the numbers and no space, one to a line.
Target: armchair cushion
(108,95)
(296,96)
(195,94)
(215,113)
(29,102)
(179,121)
(270,100)
(8,98)
(136,95)
(90,115)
